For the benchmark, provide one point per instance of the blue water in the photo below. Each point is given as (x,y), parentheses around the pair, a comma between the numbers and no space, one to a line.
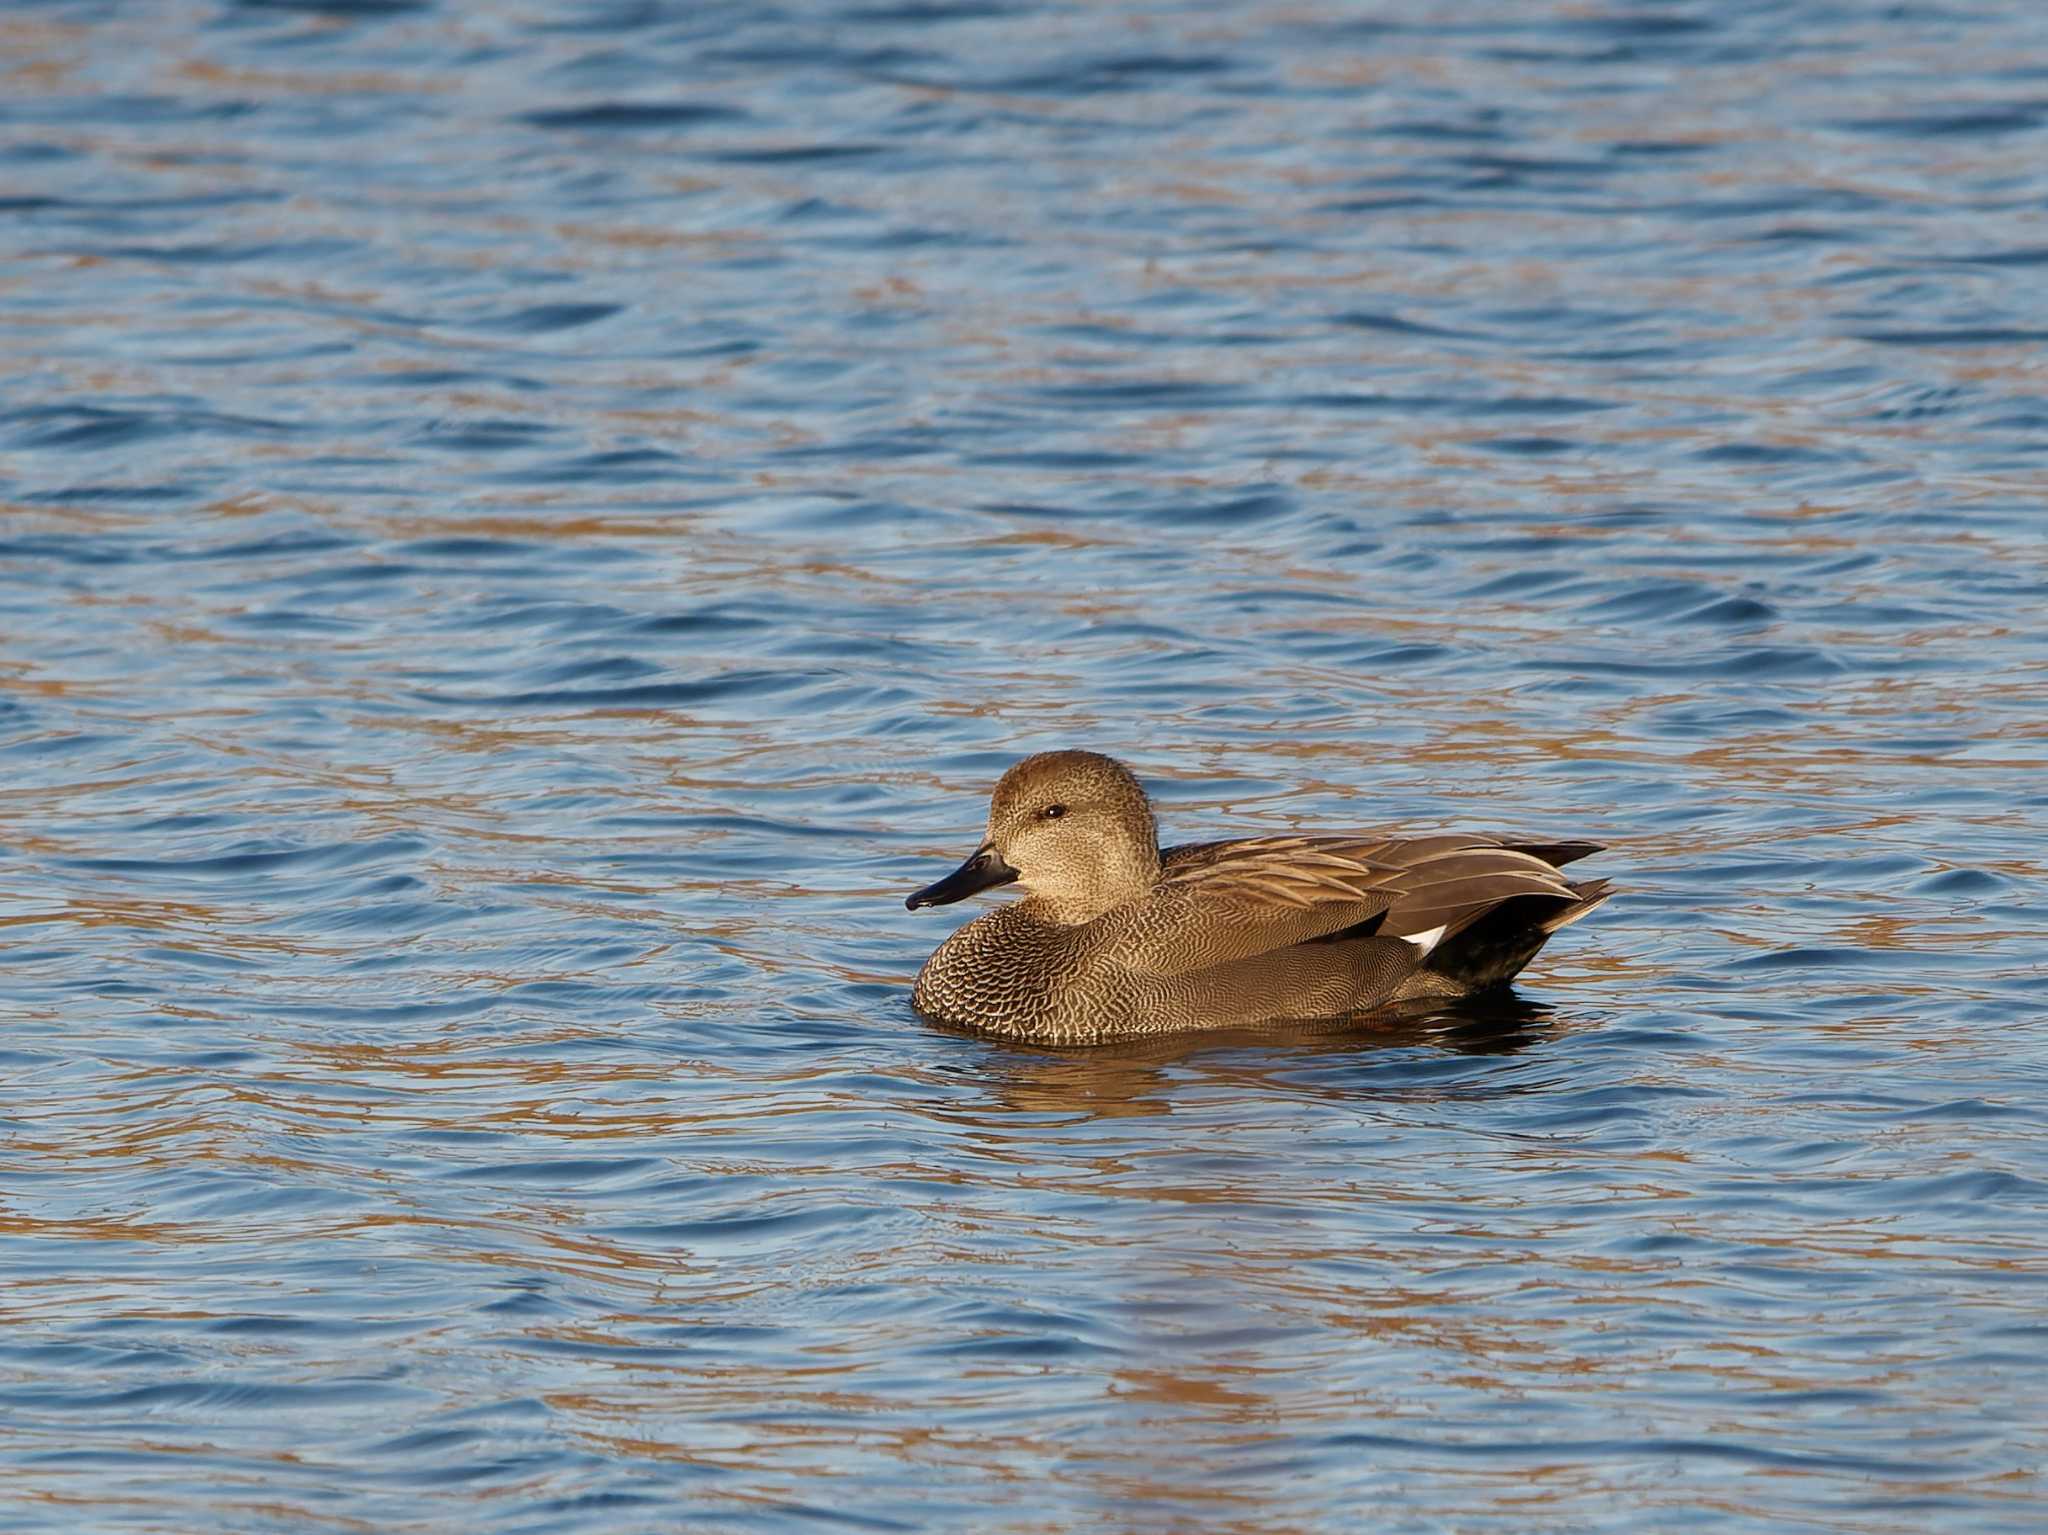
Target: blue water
(525,529)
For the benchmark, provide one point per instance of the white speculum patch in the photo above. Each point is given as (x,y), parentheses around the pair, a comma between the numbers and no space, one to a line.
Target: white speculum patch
(1424,942)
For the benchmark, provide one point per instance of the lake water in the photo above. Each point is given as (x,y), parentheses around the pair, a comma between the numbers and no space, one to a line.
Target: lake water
(526,529)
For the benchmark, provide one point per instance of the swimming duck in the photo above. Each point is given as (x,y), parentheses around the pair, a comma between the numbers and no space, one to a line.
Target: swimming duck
(1115,939)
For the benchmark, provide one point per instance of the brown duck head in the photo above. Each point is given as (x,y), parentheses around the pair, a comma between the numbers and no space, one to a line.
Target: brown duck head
(1073,828)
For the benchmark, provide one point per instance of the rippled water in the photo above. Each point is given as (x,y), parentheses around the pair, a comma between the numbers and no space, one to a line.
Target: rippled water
(525,529)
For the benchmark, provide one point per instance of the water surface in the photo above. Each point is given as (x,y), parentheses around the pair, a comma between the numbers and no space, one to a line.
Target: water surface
(526,529)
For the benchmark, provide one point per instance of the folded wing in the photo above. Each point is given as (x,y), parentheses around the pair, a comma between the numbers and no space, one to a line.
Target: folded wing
(1225,901)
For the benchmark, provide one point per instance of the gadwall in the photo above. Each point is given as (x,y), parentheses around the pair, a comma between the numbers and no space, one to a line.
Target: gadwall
(1114,938)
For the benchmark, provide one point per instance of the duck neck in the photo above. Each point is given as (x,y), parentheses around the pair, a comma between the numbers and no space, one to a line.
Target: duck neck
(1082,895)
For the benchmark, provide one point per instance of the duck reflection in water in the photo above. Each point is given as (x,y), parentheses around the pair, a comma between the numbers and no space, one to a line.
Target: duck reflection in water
(1397,1058)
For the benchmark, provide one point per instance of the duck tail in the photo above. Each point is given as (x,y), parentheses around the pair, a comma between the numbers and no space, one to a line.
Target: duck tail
(1493,950)
(1590,892)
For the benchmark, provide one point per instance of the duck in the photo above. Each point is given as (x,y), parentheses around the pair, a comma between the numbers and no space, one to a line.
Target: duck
(1115,939)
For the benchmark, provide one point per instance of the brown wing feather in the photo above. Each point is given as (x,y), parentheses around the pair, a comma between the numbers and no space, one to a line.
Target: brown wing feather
(1452,887)
(1225,901)
(1220,902)
(1556,854)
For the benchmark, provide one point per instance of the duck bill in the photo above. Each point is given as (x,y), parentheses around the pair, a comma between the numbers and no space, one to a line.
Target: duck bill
(983,871)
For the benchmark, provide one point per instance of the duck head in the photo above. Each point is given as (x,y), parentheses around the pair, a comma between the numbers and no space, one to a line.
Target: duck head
(1073,828)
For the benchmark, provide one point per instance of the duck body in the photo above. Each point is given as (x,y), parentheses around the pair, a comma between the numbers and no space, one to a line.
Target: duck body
(1115,939)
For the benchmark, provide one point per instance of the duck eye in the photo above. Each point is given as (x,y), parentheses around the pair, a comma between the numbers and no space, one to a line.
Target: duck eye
(1053,812)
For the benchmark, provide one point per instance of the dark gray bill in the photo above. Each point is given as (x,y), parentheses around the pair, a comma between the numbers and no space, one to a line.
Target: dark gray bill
(983,871)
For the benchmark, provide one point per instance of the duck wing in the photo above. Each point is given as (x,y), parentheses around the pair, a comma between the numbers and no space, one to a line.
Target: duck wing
(1442,885)
(1224,901)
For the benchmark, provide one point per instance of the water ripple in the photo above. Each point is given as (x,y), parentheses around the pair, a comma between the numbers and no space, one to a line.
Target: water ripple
(523,534)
